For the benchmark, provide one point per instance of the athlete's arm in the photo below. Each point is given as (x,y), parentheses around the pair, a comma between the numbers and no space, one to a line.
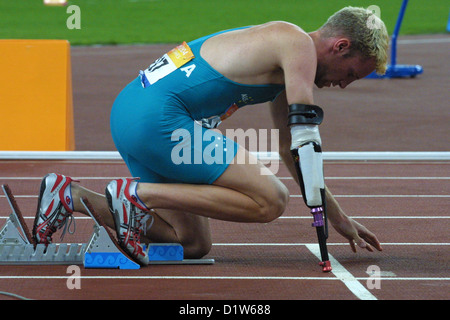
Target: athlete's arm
(296,55)
(297,58)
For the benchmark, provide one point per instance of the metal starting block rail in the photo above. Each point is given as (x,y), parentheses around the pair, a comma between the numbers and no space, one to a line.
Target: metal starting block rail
(102,251)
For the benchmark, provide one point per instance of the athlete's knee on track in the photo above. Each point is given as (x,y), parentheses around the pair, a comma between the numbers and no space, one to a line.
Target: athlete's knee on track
(274,203)
(196,248)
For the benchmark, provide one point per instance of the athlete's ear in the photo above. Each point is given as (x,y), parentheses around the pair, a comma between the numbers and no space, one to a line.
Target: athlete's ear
(341,46)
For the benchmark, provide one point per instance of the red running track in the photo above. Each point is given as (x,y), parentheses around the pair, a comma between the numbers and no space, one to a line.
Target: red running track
(404,203)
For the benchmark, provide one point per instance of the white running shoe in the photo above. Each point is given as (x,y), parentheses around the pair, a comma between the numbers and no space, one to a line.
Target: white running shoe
(130,217)
(55,205)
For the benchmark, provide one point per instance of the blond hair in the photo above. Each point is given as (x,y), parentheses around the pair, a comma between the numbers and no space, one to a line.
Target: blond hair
(366,32)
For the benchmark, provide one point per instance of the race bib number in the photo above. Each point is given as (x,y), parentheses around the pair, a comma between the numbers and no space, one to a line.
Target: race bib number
(165,65)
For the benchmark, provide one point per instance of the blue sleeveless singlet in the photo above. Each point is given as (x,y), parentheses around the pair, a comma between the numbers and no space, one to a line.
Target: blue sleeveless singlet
(194,98)
(211,94)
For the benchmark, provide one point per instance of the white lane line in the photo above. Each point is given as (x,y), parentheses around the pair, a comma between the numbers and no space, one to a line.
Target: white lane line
(375,178)
(383,196)
(281,178)
(176,277)
(300,217)
(263,156)
(336,196)
(345,276)
(225,278)
(374,217)
(333,244)
(77,178)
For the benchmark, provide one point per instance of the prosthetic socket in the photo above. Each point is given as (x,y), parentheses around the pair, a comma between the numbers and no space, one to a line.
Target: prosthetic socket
(304,121)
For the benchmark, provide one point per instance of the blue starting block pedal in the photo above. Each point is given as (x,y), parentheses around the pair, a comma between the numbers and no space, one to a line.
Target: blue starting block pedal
(171,253)
(102,250)
(108,260)
(103,253)
(165,252)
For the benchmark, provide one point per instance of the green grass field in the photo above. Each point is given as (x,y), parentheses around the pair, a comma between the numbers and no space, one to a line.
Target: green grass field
(164,21)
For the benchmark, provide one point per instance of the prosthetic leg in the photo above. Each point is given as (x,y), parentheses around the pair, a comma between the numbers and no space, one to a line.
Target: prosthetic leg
(307,154)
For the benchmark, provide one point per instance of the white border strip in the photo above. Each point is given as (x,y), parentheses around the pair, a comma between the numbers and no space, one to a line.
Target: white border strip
(422,41)
(266,156)
(60,155)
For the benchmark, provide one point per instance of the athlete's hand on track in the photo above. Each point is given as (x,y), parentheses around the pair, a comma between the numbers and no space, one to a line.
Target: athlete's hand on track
(357,234)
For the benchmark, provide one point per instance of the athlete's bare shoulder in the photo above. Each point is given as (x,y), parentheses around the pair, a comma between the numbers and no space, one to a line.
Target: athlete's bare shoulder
(253,55)
(283,31)
(279,26)
(282,42)
(296,55)
(287,36)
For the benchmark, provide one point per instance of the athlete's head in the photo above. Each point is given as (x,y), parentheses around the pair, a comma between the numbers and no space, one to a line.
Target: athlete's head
(357,41)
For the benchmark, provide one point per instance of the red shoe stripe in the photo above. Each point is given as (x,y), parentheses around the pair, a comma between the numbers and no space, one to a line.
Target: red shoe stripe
(58,180)
(50,207)
(119,186)
(128,195)
(127,190)
(39,228)
(61,194)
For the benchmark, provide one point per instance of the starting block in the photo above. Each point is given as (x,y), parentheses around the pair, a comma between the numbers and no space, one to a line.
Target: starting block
(102,251)
(17,246)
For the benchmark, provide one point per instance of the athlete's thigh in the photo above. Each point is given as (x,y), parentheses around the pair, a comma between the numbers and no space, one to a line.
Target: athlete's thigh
(249,176)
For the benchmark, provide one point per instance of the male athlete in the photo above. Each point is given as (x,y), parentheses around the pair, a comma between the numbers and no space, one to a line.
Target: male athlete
(193,88)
